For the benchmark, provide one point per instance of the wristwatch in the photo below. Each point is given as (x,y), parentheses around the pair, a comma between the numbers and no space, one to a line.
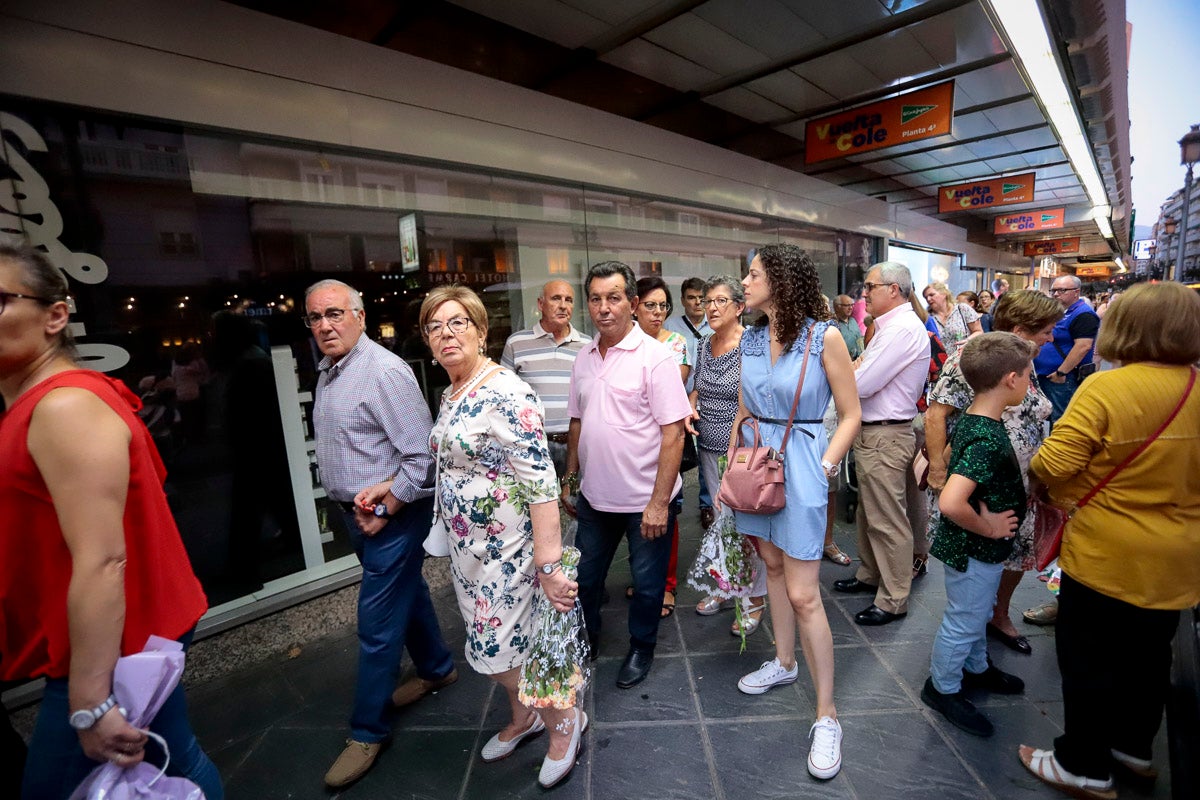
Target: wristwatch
(1060,373)
(548,569)
(84,719)
(831,470)
(381,511)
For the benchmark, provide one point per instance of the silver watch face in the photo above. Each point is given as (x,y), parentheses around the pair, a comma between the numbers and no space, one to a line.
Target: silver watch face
(547,568)
(82,720)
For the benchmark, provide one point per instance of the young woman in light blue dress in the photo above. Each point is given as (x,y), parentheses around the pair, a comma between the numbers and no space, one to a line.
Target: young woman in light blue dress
(783,284)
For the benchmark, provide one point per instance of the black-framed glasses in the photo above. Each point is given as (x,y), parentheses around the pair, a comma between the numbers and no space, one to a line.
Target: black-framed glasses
(6,296)
(719,302)
(656,306)
(1063,291)
(334,315)
(869,287)
(454,324)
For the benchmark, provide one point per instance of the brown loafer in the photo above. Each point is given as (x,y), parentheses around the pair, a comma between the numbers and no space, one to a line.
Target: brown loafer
(352,764)
(417,687)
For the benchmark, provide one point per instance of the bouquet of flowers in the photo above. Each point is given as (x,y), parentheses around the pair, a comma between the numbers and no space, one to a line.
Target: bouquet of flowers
(725,566)
(557,669)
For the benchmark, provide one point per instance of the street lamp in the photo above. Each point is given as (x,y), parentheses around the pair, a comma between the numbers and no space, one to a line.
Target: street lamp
(1168,226)
(1189,154)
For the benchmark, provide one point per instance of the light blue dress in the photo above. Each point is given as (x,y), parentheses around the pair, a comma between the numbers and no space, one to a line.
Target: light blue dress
(767,392)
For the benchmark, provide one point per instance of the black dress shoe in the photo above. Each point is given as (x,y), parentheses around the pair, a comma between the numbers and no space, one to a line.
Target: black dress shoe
(994,680)
(853,586)
(1018,643)
(593,647)
(635,669)
(874,615)
(958,710)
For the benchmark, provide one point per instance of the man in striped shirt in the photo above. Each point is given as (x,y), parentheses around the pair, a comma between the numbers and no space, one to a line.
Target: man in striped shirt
(543,357)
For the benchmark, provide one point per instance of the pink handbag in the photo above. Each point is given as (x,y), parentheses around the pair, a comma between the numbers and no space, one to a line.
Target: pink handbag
(753,479)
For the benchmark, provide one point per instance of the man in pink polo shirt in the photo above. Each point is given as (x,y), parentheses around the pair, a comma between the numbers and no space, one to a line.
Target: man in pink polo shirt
(627,407)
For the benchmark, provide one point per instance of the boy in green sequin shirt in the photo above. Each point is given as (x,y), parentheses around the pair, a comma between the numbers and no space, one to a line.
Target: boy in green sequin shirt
(982,506)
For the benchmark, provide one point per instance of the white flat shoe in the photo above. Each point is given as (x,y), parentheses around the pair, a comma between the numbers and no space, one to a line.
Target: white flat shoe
(555,770)
(495,749)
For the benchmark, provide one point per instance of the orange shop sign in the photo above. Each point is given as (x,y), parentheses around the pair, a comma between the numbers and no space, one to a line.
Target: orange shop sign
(909,117)
(1052,247)
(1099,271)
(981,194)
(1044,220)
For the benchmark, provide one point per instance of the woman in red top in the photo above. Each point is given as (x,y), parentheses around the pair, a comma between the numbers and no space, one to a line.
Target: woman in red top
(91,562)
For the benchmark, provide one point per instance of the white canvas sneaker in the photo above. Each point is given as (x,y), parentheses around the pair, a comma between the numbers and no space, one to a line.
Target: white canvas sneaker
(825,754)
(769,675)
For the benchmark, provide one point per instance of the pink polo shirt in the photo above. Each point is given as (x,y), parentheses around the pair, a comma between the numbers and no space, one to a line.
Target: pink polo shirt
(622,400)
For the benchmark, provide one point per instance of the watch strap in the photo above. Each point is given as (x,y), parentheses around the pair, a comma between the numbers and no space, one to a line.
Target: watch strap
(96,713)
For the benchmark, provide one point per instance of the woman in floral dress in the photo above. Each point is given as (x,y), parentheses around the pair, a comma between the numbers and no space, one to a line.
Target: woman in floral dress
(951,322)
(1030,315)
(496,501)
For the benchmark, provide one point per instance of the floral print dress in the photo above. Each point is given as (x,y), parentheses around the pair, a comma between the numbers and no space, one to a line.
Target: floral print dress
(492,464)
(954,332)
(1026,430)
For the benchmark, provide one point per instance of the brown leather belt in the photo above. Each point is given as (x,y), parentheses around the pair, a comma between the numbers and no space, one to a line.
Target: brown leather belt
(888,422)
(558,438)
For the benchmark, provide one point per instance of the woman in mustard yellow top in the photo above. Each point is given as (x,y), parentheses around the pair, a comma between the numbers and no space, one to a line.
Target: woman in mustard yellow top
(1130,557)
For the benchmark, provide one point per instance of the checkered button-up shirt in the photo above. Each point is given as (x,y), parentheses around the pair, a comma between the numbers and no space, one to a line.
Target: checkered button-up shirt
(372,423)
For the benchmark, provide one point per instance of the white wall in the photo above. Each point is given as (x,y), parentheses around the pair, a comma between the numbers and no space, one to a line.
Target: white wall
(209,63)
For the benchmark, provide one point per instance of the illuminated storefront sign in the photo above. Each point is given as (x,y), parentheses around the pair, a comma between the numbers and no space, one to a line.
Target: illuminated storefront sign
(1052,247)
(909,117)
(982,194)
(1044,220)
(1099,271)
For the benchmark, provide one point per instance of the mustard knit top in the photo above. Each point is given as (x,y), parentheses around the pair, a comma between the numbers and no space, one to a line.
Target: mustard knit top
(1138,540)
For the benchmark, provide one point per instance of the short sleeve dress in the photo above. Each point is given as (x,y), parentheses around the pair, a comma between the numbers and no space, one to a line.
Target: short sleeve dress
(1026,430)
(767,392)
(492,464)
(717,381)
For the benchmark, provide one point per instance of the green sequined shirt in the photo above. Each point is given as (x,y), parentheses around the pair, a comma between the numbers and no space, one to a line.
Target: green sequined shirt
(981,451)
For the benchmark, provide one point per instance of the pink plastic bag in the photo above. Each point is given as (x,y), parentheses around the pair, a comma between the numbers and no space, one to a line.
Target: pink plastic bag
(142,682)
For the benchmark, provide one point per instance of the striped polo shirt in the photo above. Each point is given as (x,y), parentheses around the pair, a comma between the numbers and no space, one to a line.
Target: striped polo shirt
(546,367)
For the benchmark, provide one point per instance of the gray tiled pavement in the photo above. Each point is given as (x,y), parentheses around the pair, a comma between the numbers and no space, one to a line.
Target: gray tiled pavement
(686,733)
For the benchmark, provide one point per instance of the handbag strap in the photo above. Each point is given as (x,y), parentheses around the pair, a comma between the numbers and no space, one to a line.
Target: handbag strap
(1186,393)
(799,385)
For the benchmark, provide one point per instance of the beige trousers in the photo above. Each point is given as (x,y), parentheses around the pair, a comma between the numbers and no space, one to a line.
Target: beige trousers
(883,459)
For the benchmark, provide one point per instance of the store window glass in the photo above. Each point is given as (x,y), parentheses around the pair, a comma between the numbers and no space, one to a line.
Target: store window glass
(188,254)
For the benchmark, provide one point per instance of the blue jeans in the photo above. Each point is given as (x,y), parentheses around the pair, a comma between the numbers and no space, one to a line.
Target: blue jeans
(57,765)
(394,611)
(1059,394)
(598,535)
(961,641)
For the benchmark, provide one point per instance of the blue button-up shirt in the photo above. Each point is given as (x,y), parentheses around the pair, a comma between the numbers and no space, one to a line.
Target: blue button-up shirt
(372,424)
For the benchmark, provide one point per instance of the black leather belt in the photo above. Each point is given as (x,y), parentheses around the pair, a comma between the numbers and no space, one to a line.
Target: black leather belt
(888,422)
(784,422)
(558,438)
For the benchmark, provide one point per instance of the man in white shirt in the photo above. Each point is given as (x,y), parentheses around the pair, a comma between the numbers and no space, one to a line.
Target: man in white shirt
(693,326)
(891,376)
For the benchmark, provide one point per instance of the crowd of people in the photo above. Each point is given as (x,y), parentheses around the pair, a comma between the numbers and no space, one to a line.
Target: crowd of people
(598,428)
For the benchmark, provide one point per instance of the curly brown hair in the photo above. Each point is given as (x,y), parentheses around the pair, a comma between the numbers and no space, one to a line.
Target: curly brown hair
(795,290)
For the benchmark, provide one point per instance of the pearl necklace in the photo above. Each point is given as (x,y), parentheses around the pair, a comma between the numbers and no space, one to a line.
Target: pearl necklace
(456,393)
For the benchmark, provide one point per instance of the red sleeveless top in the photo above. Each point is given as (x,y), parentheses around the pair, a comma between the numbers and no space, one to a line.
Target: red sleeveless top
(162,594)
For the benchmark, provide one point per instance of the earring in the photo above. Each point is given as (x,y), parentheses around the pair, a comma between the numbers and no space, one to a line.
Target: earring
(434,362)
(482,351)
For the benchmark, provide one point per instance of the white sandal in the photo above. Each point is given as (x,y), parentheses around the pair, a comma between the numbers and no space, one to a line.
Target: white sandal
(752,623)
(1045,767)
(713,605)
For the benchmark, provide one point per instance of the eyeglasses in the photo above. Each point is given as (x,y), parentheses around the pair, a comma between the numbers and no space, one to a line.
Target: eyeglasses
(334,315)
(719,302)
(454,324)
(656,306)
(845,305)
(6,296)
(869,287)
(1063,291)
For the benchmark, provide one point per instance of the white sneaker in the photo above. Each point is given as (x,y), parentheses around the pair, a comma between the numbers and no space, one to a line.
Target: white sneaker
(825,755)
(769,675)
